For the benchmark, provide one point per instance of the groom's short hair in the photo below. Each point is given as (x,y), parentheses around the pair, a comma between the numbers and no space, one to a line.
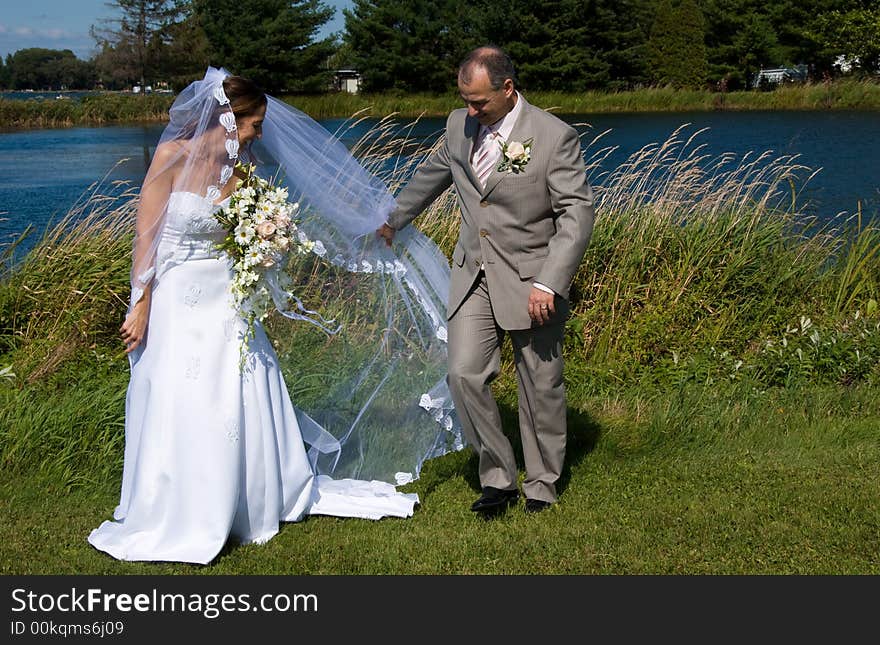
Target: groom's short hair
(494,60)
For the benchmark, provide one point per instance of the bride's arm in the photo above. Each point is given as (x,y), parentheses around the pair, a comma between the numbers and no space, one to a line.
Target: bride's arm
(151,208)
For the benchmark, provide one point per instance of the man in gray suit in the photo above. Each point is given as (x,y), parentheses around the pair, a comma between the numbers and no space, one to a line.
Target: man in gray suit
(527,216)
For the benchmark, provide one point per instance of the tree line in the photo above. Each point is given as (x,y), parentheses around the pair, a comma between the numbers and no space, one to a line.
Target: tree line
(414,46)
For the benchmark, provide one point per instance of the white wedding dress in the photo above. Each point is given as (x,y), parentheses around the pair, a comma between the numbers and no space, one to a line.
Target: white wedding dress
(214,452)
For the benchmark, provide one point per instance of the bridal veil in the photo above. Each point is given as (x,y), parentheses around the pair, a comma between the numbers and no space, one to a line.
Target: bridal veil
(382,406)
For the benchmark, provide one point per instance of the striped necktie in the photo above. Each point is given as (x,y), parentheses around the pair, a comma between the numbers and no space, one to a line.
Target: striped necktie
(486,154)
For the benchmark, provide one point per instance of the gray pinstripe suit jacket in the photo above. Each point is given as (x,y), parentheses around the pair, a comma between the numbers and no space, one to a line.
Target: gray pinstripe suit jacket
(526,227)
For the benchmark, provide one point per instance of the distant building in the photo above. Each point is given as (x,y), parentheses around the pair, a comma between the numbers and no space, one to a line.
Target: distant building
(844,64)
(780,75)
(347,80)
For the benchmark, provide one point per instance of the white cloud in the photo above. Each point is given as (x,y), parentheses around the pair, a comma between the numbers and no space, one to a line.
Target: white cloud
(16,38)
(54,33)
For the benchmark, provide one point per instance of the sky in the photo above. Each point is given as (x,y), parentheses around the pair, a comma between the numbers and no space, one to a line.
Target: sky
(64,24)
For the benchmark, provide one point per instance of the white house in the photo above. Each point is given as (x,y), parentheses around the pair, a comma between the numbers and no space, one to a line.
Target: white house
(780,75)
(347,80)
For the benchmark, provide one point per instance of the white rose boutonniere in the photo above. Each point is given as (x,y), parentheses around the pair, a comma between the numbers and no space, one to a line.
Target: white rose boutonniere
(515,155)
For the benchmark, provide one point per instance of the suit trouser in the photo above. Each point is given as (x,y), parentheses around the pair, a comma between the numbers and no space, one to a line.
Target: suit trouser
(474,345)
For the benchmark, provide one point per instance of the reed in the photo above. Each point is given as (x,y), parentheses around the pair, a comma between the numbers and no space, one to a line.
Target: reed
(838,95)
(110,108)
(66,295)
(100,109)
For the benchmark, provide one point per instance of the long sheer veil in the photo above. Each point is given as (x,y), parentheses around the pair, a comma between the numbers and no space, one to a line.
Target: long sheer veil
(378,384)
(389,405)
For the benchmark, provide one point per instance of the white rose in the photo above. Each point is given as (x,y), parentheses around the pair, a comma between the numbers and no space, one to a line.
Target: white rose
(516,151)
(266,229)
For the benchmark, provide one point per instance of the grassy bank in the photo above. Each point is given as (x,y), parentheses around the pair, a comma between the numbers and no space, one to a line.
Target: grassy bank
(723,371)
(99,109)
(119,108)
(840,95)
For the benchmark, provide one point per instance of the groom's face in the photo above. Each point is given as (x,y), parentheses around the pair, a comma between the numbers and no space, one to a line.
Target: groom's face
(485,104)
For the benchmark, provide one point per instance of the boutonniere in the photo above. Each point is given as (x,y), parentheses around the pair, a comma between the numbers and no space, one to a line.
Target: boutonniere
(515,155)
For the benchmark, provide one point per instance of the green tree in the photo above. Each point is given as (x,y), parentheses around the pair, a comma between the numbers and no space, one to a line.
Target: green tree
(855,36)
(567,45)
(793,22)
(409,46)
(742,37)
(272,42)
(756,46)
(548,41)
(676,47)
(72,73)
(570,45)
(5,79)
(131,43)
(621,33)
(184,55)
(48,69)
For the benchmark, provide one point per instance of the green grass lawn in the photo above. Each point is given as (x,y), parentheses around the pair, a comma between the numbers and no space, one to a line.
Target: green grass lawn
(784,482)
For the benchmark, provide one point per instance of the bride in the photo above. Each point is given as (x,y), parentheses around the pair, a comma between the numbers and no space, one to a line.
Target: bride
(215,450)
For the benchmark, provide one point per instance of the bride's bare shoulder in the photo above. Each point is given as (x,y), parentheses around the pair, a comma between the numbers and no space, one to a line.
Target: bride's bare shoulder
(169,152)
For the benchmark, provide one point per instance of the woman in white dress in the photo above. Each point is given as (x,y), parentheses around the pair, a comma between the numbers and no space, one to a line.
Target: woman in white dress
(213,451)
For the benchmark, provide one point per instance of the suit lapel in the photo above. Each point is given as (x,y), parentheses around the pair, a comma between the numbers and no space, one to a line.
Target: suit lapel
(520,132)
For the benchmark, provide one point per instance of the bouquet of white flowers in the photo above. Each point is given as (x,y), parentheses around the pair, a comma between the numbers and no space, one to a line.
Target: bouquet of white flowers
(262,229)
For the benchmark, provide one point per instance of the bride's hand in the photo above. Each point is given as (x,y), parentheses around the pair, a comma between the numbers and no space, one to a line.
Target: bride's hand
(134,329)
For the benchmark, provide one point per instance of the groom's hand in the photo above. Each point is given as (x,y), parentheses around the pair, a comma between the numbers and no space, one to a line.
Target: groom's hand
(386,232)
(541,305)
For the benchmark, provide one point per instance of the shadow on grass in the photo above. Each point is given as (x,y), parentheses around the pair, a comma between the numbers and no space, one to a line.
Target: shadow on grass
(583,434)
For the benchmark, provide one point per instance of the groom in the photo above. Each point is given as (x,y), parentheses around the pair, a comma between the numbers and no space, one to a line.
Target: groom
(527,216)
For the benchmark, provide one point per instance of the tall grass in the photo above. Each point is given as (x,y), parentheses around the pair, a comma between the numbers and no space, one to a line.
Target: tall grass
(119,108)
(839,95)
(702,269)
(99,109)
(65,296)
(696,259)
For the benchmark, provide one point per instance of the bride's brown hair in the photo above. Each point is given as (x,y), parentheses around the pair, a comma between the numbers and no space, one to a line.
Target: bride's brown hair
(245,96)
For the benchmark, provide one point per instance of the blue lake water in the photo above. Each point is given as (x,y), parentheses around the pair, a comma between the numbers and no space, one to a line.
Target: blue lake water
(48,96)
(44,172)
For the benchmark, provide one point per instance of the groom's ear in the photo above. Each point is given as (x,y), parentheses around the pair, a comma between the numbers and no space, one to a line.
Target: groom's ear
(508,87)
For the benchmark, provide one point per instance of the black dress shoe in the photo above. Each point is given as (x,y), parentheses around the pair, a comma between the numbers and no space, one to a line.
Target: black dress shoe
(536,505)
(494,499)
